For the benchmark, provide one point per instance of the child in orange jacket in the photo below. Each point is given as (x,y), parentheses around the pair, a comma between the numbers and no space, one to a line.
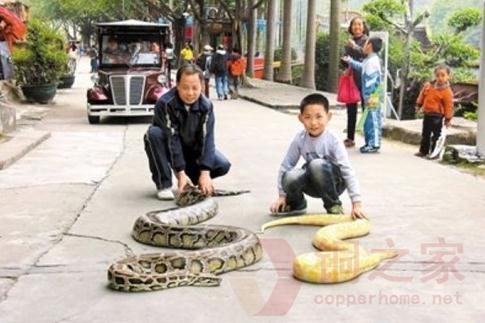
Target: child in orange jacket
(436,101)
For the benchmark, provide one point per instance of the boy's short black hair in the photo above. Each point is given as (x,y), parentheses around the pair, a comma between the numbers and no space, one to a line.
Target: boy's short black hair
(314,98)
(376,43)
(189,69)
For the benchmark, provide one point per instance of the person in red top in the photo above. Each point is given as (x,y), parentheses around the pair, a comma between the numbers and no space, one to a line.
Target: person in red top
(237,67)
(436,102)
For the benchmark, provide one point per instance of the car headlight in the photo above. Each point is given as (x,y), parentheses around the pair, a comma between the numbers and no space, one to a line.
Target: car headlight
(162,79)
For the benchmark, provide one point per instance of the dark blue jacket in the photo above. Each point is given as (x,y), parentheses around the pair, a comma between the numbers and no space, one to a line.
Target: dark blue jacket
(190,133)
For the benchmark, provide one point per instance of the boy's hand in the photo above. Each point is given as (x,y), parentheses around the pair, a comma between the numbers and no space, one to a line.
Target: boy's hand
(279,205)
(418,109)
(182,181)
(357,212)
(346,59)
(205,183)
(447,123)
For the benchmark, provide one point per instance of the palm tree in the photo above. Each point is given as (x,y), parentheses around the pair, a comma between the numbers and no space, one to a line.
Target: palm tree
(270,39)
(285,70)
(334,44)
(309,67)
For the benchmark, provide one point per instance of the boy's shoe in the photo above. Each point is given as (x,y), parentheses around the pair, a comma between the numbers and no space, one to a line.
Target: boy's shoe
(165,194)
(369,149)
(349,143)
(225,97)
(420,154)
(289,211)
(335,209)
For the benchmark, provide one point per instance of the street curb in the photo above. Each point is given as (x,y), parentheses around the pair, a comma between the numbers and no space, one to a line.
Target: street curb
(413,137)
(19,145)
(272,106)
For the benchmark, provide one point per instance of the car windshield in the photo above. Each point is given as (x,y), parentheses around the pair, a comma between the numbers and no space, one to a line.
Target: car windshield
(131,50)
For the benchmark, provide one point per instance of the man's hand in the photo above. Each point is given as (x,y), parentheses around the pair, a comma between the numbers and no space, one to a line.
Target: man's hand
(205,183)
(182,181)
(357,212)
(279,205)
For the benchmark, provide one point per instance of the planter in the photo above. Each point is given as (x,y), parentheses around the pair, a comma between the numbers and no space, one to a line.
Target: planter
(40,93)
(66,82)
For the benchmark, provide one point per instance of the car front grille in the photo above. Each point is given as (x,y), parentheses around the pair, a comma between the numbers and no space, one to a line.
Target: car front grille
(135,89)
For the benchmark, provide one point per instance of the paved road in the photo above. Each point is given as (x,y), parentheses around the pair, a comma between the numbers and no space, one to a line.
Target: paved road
(67,209)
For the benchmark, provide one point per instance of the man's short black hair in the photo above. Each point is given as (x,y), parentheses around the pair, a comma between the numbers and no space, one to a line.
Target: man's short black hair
(189,69)
(314,98)
(376,43)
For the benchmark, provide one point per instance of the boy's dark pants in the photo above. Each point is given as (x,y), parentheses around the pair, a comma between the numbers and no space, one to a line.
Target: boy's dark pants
(319,178)
(159,159)
(432,124)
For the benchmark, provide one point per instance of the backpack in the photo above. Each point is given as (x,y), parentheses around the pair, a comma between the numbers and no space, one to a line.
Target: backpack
(201,61)
(237,66)
(217,64)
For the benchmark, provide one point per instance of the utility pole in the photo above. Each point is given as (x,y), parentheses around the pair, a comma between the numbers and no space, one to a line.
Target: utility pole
(481,96)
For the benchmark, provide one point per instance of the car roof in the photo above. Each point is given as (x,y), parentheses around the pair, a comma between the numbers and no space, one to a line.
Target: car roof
(131,23)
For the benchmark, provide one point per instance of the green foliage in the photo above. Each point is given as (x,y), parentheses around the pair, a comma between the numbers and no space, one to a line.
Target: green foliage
(297,74)
(465,18)
(472,115)
(442,10)
(376,10)
(42,58)
(278,54)
(322,55)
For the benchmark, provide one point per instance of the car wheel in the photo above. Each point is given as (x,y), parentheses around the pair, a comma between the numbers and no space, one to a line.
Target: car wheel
(94,119)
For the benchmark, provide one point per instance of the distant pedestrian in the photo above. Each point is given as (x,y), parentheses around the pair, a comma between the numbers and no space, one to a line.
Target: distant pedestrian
(187,54)
(237,67)
(327,172)
(218,67)
(371,75)
(353,48)
(93,56)
(436,102)
(170,56)
(204,61)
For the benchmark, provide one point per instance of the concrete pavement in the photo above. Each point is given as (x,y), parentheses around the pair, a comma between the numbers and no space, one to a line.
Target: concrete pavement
(68,206)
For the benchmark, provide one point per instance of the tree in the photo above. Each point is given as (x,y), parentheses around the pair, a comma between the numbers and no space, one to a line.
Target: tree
(464,19)
(270,40)
(251,38)
(334,41)
(309,66)
(285,70)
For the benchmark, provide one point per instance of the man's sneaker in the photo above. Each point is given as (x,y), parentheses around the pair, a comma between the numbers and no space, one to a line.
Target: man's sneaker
(335,209)
(369,149)
(165,194)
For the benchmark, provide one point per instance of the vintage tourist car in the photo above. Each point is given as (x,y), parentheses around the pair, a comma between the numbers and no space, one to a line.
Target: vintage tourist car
(131,74)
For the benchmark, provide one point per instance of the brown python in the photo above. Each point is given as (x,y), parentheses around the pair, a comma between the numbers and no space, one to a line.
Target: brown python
(339,261)
(212,249)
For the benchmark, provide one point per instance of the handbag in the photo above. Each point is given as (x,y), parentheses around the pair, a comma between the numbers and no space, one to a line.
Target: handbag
(347,90)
